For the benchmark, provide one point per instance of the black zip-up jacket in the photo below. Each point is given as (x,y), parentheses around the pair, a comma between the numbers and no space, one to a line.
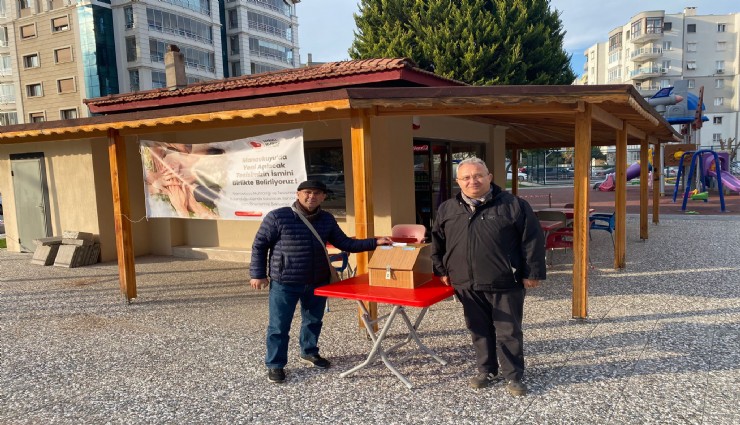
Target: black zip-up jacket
(492,249)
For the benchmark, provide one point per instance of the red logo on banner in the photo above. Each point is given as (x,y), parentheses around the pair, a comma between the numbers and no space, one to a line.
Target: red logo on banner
(248,213)
(256,144)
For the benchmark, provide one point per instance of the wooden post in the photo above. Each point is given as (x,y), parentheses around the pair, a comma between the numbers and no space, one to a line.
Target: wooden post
(620,199)
(121,214)
(580,208)
(644,162)
(362,172)
(515,171)
(657,172)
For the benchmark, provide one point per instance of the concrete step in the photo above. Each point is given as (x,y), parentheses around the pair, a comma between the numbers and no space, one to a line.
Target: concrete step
(239,255)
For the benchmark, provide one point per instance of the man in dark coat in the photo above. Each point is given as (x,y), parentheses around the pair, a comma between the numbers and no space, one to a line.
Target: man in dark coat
(297,265)
(488,244)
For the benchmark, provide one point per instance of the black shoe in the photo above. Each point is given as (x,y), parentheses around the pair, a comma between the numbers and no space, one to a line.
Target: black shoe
(276,375)
(316,361)
(484,379)
(516,388)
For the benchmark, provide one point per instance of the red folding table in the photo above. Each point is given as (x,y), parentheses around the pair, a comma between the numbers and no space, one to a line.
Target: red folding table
(424,296)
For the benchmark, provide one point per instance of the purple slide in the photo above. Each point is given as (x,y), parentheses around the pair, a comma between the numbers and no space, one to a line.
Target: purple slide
(633,171)
(728,180)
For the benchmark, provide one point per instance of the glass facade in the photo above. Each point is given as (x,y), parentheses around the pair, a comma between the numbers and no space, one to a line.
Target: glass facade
(98,50)
(170,23)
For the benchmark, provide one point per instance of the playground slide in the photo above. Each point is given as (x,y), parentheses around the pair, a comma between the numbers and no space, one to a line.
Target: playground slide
(608,183)
(728,180)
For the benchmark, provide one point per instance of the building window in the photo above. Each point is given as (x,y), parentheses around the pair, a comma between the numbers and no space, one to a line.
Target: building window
(665,66)
(66,85)
(717,120)
(133,79)
(270,25)
(195,58)
(615,42)
(716,138)
(34,90)
(719,83)
(131,53)
(180,26)
(691,28)
(667,46)
(233,18)
(8,118)
(63,55)
(691,83)
(234,44)
(653,25)
(690,47)
(60,24)
(665,83)
(159,80)
(6,69)
(719,101)
(258,68)
(667,26)
(721,27)
(721,46)
(7,93)
(270,50)
(236,69)
(128,13)
(24,7)
(31,61)
(691,65)
(636,29)
(28,31)
(3,36)
(36,117)
(68,114)
(720,67)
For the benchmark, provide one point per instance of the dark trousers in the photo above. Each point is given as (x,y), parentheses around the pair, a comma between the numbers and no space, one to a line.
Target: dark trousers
(494,320)
(283,300)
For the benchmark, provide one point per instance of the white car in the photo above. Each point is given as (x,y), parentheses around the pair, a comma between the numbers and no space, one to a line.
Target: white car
(521,176)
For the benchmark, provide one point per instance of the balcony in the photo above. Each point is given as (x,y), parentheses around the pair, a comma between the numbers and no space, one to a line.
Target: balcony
(645,73)
(649,35)
(646,53)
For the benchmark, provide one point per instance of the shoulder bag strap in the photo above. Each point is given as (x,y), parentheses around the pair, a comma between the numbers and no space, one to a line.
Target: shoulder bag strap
(310,227)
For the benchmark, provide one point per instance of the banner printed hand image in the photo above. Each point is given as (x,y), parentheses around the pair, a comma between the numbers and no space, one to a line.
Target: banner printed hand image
(173,177)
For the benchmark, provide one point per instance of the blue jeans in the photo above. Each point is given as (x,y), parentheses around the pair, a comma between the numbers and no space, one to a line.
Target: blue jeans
(283,300)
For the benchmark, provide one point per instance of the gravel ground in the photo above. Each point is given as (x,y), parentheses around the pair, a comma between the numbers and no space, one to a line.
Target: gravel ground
(661,345)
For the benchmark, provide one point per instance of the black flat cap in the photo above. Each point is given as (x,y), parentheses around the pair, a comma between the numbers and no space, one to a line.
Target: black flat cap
(312,184)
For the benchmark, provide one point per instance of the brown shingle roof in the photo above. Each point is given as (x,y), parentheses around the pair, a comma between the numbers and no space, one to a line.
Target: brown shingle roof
(321,77)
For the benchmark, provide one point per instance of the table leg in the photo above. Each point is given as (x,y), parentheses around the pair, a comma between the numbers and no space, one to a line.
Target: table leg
(377,348)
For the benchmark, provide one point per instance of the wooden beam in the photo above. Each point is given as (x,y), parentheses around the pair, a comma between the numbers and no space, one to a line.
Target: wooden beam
(471,108)
(620,201)
(606,118)
(361,139)
(515,171)
(636,132)
(644,189)
(121,214)
(581,223)
(657,171)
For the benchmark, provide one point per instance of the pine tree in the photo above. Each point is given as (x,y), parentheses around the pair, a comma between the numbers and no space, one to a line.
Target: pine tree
(480,42)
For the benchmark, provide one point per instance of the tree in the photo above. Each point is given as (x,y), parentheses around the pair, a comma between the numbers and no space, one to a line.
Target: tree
(481,42)
(730,145)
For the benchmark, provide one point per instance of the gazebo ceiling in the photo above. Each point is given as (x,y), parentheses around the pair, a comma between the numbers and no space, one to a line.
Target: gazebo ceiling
(536,116)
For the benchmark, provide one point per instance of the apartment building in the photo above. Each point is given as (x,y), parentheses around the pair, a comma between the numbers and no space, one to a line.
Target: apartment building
(55,53)
(655,49)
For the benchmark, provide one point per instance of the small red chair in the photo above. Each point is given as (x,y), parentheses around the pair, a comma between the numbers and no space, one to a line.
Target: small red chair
(409,231)
(561,239)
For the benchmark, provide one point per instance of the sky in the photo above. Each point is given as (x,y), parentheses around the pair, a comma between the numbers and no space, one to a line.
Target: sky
(326,27)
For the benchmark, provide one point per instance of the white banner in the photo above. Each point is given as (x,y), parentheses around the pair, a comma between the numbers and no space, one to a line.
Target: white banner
(239,179)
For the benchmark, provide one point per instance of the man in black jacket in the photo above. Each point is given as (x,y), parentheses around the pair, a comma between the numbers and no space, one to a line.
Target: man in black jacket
(488,244)
(297,265)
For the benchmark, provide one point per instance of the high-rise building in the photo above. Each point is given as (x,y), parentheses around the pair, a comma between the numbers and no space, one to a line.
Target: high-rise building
(655,49)
(55,53)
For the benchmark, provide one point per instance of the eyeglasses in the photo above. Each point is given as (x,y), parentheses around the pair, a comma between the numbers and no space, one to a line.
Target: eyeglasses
(476,177)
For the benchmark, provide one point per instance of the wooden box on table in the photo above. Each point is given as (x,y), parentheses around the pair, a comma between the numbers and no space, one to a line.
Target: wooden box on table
(401,266)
